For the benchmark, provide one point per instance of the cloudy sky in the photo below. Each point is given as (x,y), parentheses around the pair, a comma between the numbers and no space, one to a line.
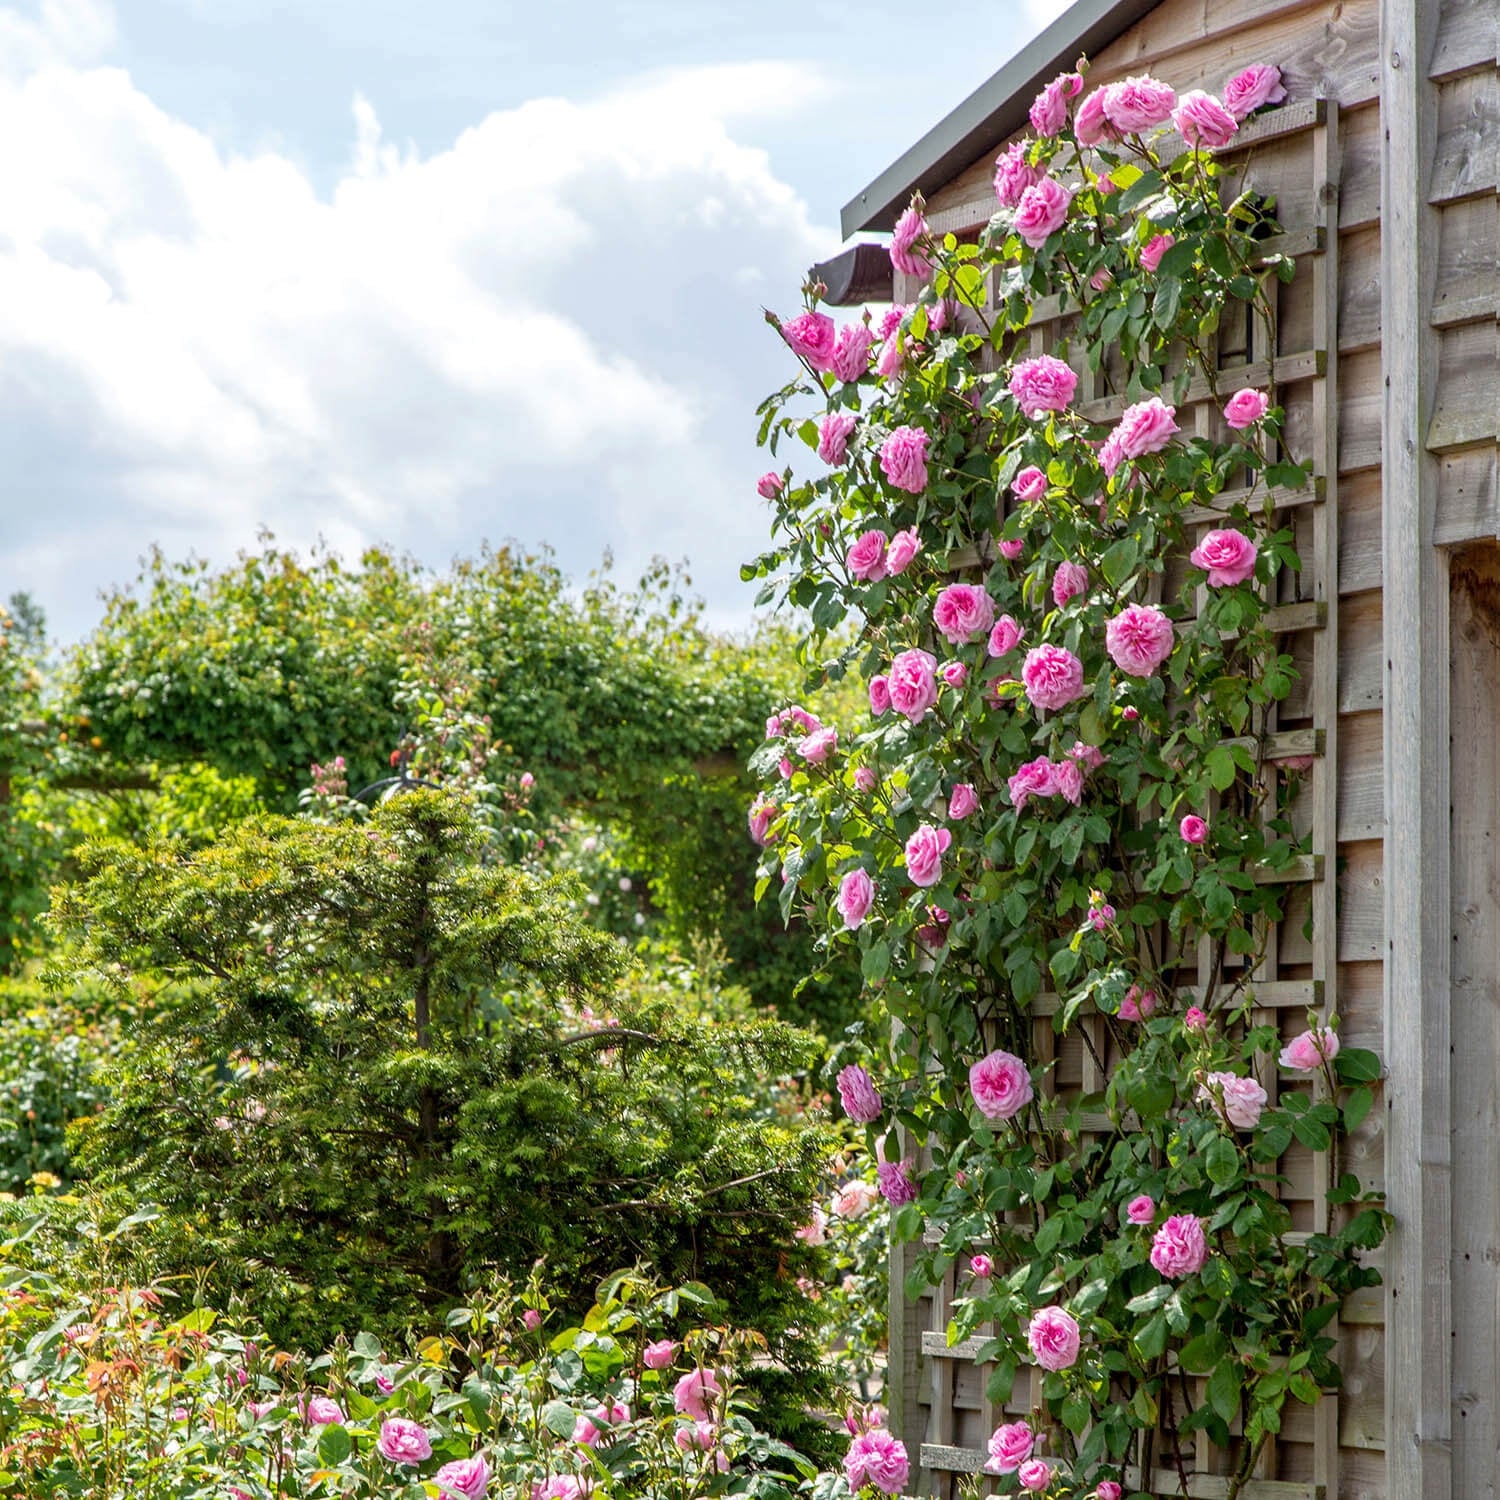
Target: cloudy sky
(424,275)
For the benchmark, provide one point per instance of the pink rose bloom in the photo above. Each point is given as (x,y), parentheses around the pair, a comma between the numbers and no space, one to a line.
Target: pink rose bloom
(1243,1099)
(585,1433)
(1193,829)
(1137,104)
(903,548)
(1049,110)
(463,1479)
(1294,762)
(1053,1336)
(1108,1489)
(258,1409)
(1141,1210)
(896,1185)
(1203,122)
(1195,1018)
(913,684)
(1030,483)
(905,257)
(1130,713)
(876,1458)
(786,768)
(1178,1248)
(1146,427)
(833,436)
(1014,174)
(1086,755)
(981,1266)
(1000,1084)
(892,356)
(1138,1004)
(818,746)
(1245,408)
(703,1436)
(1067,782)
(1010,549)
(323,1411)
(1247,91)
(856,897)
(762,815)
(770,485)
(903,460)
(1053,677)
(1036,778)
(1101,914)
(890,319)
(1106,185)
(851,352)
(1111,455)
(1004,637)
(962,611)
(1090,123)
(924,854)
(1042,211)
(659,1355)
(1040,385)
(1101,278)
(1156,247)
(855,1199)
(531,1317)
(1068,582)
(865,780)
(403,1441)
(1139,639)
(1010,1446)
(1035,1475)
(559,1487)
(693,1393)
(880,696)
(963,802)
(954,673)
(1308,1052)
(812,337)
(1227,556)
(858,1095)
(867,557)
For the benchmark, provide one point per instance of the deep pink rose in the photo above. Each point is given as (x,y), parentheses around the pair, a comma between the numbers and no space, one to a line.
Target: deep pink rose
(962,611)
(880,696)
(905,256)
(1014,174)
(1138,1005)
(1086,755)
(833,436)
(1243,1099)
(891,358)
(1010,1446)
(904,546)
(1178,1248)
(1053,1336)
(1090,123)
(693,1394)
(954,673)
(1035,1475)
(858,1095)
(1110,454)
(1192,829)
(1108,1489)
(816,747)
(786,768)
(1010,548)
(1067,782)
(1053,677)
(403,1441)
(463,1479)
(1203,122)
(851,352)
(896,1184)
(1101,913)
(913,684)
(659,1354)
(1146,427)
(1156,247)
(531,1317)
(1247,91)
(1306,1053)
(891,319)
(876,1458)
(1043,384)
(903,459)
(981,1266)
(1049,110)
(1037,778)
(924,854)
(963,802)
(1141,1210)
(1139,639)
(1195,1018)
(812,337)
(322,1411)
(865,779)
(1030,483)
(866,558)
(1000,1084)
(1227,556)
(770,485)
(1042,211)
(856,897)
(1245,408)
(1004,637)
(1137,104)
(1068,582)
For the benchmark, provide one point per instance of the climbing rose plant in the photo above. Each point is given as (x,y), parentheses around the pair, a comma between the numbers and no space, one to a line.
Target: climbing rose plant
(1061,796)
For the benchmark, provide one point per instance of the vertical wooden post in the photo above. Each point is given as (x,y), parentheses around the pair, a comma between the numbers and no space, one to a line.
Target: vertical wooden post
(1419,1318)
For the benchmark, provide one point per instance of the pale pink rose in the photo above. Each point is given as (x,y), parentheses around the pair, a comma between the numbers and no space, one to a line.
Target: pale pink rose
(855,1199)
(1036,778)
(812,337)
(1245,408)
(585,1433)
(804,721)
(258,1409)
(896,1184)
(1146,427)
(1247,91)
(1067,781)
(770,485)
(892,357)
(866,558)
(1307,1053)
(1000,1084)
(1049,110)
(1243,1099)
(962,611)
(1010,548)
(913,684)
(851,352)
(1004,637)
(659,1354)
(559,1487)
(1010,1446)
(1195,1018)
(865,780)
(981,1266)
(858,1095)
(1141,1210)
(1192,829)
(856,897)
(876,1458)
(403,1441)
(786,768)
(1178,1248)
(816,747)
(1139,639)
(954,673)
(1137,104)
(693,1394)
(1106,185)
(1227,556)
(880,696)
(1053,677)
(903,548)
(903,459)
(1014,174)
(1156,247)
(1043,384)
(937,321)
(463,1479)
(814,1232)
(1101,278)
(1030,483)
(1086,755)
(1203,122)
(905,257)
(1294,762)
(1090,123)
(1042,211)
(1053,1336)
(1068,582)
(924,854)
(833,436)
(323,1411)
(1035,1475)
(963,802)
(531,1317)
(1108,1489)
(701,1436)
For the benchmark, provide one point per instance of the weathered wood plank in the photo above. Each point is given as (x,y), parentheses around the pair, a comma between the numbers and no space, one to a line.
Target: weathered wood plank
(1359,532)
(1468,144)
(1466,410)
(1466,38)
(1468,496)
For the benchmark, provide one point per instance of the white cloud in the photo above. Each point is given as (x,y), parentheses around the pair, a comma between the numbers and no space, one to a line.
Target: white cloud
(550,330)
